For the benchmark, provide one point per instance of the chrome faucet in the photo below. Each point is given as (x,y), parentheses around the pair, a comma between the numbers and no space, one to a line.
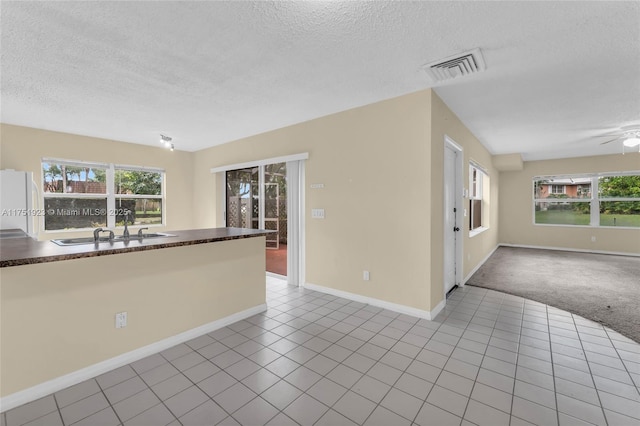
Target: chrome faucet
(140,235)
(97,231)
(125,234)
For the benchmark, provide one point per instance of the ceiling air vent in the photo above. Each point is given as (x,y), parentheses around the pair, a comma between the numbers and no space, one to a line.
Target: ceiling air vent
(456,66)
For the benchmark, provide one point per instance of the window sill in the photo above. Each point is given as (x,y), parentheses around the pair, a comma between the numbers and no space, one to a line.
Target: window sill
(564,225)
(477,231)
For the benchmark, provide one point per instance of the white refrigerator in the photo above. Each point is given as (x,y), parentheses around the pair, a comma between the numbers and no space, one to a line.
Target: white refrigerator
(18,198)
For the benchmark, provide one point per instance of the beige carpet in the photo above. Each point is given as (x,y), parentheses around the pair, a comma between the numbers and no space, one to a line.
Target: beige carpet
(602,288)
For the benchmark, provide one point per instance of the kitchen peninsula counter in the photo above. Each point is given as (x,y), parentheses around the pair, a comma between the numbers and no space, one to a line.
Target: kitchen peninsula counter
(27,251)
(58,303)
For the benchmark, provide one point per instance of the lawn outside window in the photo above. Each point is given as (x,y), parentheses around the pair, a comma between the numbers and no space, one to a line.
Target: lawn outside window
(596,200)
(81,195)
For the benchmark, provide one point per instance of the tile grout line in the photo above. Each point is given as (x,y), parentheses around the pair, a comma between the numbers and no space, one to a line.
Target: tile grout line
(573,357)
(303,299)
(483,355)
(352,352)
(59,410)
(595,387)
(442,369)
(206,359)
(376,362)
(193,383)
(317,353)
(402,372)
(623,363)
(280,356)
(109,402)
(152,391)
(553,370)
(281,411)
(379,332)
(261,366)
(192,350)
(515,373)
(515,378)
(517,354)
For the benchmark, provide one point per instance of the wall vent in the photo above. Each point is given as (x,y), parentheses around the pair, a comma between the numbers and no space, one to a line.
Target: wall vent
(456,66)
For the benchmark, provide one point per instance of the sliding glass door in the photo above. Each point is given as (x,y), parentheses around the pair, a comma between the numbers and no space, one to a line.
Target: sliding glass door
(256,198)
(243,198)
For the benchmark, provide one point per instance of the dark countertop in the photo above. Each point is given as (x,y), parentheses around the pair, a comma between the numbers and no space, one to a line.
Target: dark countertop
(26,251)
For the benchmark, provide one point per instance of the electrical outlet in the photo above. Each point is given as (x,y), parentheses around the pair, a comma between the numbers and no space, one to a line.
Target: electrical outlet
(365,275)
(121,319)
(593,239)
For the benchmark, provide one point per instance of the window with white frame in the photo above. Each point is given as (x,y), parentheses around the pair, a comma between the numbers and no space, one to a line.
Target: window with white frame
(602,199)
(477,177)
(138,190)
(81,195)
(557,189)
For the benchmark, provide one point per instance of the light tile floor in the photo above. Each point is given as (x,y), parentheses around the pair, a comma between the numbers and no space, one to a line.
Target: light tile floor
(314,359)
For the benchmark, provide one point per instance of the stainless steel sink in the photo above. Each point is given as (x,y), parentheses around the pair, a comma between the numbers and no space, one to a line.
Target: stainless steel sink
(118,239)
(153,235)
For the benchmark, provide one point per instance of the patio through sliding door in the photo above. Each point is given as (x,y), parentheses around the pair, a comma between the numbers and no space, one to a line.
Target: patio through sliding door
(256,198)
(243,198)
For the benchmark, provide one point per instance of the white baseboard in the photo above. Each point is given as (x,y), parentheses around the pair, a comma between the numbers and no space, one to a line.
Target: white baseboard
(479,265)
(435,311)
(615,253)
(402,309)
(43,389)
(274,275)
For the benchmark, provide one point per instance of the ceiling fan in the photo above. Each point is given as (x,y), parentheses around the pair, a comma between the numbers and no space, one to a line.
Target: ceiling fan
(629,135)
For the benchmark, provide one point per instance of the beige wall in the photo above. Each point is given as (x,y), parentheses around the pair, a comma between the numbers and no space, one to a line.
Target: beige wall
(382,170)
(58,317)
(22,148)
(381,165)
(516,208)
(374,164)
(445,123)
(383,182)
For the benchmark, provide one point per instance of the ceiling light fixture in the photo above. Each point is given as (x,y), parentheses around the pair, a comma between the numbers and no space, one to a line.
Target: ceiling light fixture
(632,141)
(166,141)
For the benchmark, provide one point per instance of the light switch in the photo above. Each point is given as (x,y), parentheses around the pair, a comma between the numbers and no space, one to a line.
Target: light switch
(317,185)
(121,319)
(317,213)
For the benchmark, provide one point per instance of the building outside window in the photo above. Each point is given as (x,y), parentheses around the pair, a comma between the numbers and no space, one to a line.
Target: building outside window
(606,199)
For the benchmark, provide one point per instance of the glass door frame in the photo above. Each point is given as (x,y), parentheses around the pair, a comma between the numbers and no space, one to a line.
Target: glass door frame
(295,208)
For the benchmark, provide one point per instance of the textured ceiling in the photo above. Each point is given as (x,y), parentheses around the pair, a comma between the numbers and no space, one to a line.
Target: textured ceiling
(205,73)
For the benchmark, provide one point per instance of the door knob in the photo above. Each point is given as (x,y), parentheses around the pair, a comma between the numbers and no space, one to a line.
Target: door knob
(456,229)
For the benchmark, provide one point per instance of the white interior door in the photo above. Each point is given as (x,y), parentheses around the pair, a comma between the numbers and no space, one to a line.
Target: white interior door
(451,227)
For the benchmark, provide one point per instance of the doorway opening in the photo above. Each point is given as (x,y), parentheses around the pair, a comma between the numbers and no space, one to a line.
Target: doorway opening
(256,198)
